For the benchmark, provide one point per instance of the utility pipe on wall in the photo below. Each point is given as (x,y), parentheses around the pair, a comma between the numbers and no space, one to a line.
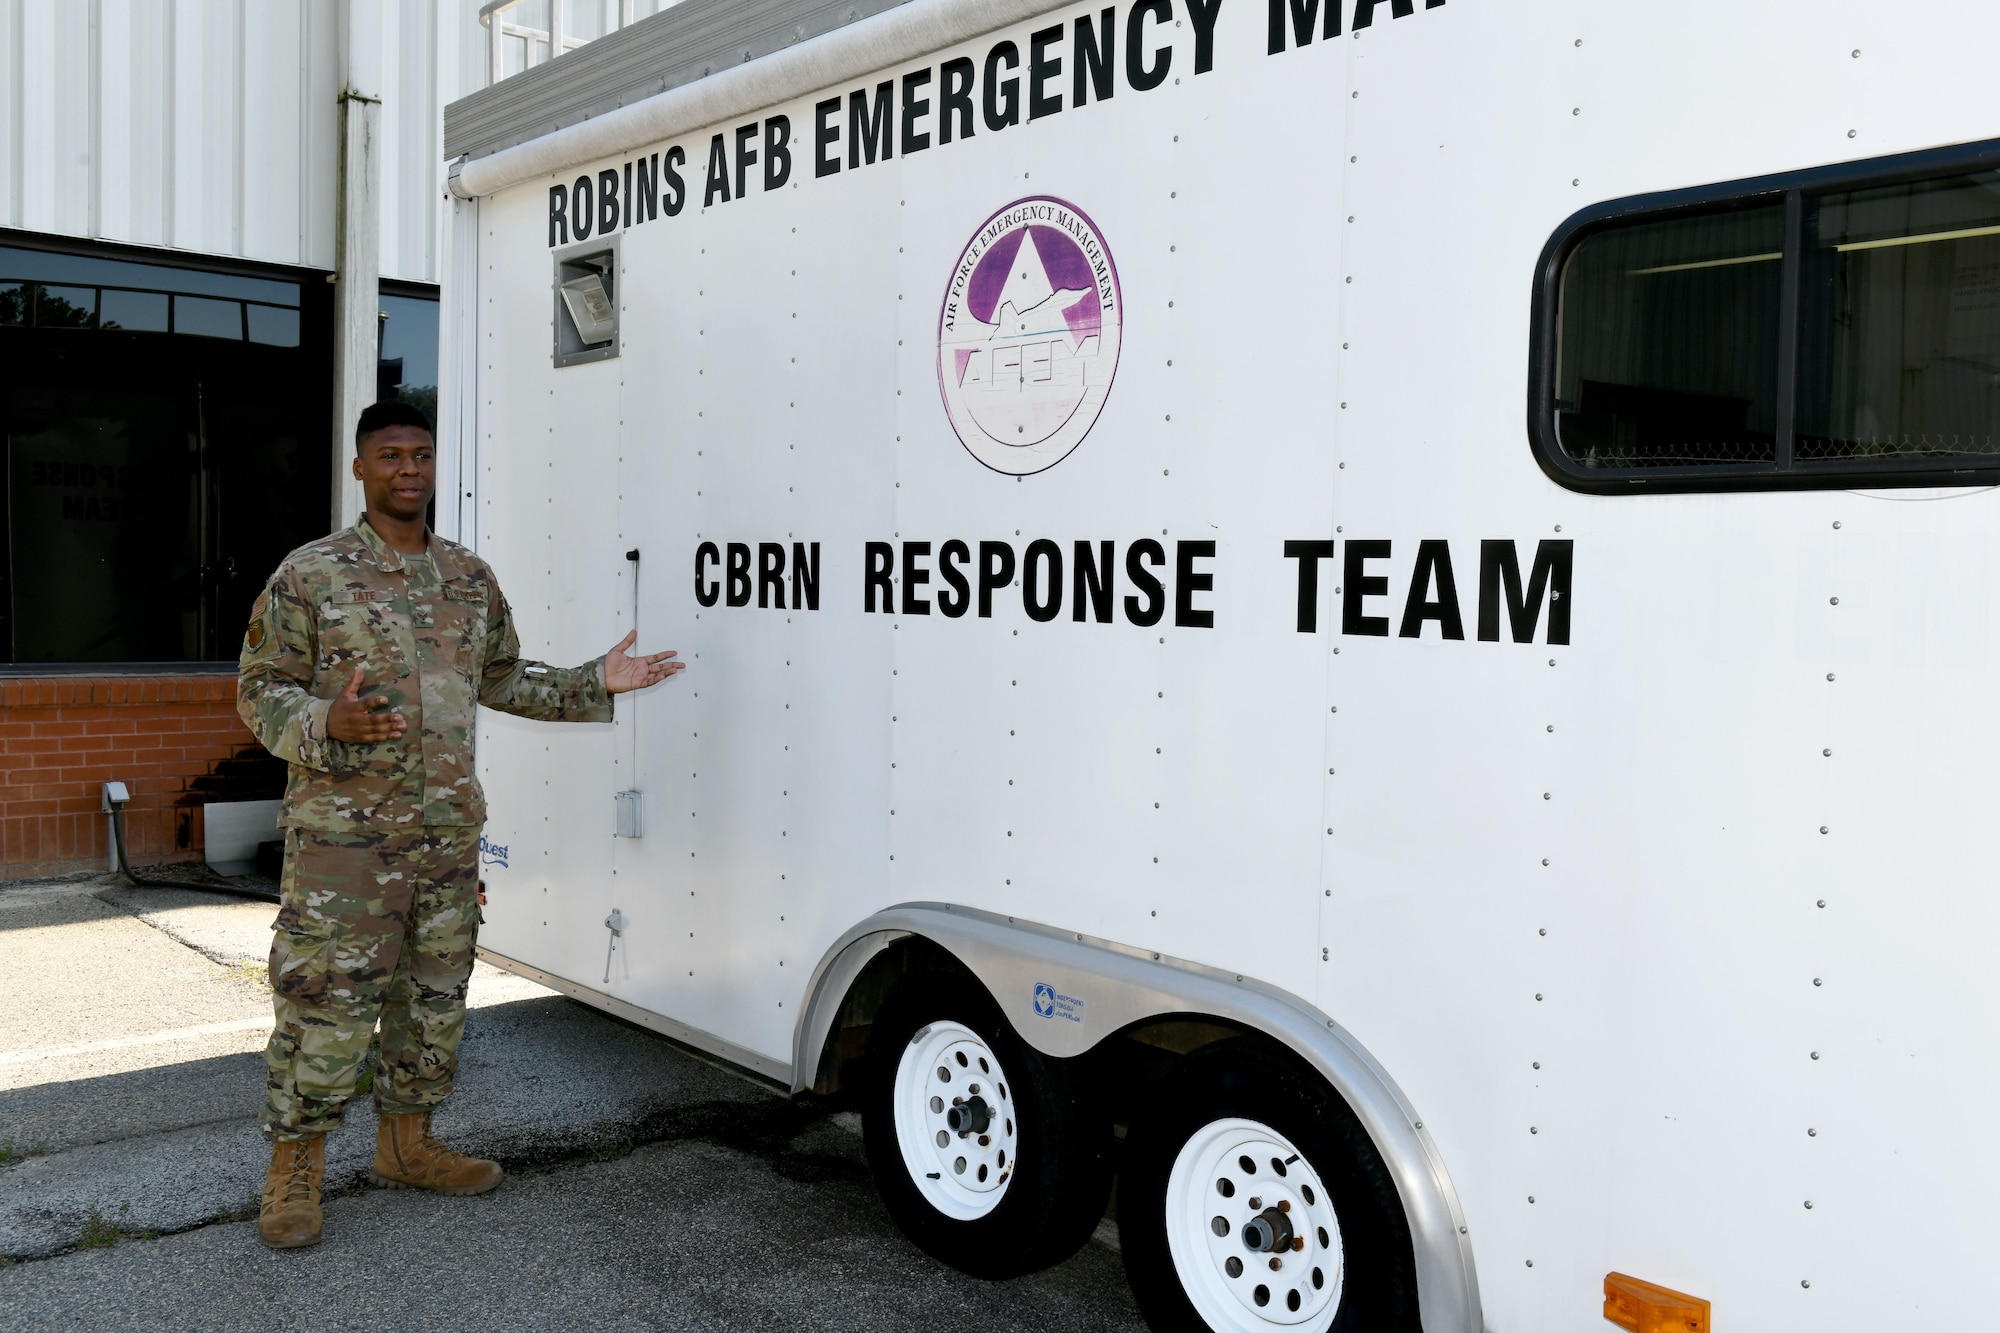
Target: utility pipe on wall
(357,242)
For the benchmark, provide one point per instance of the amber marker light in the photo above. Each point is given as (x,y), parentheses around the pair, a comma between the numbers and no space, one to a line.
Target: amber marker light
(1645,1307)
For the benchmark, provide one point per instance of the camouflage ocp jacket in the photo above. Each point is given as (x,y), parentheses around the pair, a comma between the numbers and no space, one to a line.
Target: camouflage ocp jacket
(437,648)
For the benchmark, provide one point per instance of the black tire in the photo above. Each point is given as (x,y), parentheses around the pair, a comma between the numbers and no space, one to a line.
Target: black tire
(1062,1171)
(1247,1079)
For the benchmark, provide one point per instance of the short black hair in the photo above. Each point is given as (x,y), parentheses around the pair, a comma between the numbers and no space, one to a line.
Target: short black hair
(390,412)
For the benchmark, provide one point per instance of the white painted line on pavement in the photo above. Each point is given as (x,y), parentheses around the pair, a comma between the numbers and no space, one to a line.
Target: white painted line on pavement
(144,1039)
(501,988)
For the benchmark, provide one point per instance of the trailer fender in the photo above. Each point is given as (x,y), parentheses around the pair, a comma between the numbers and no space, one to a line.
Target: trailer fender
(1064,992)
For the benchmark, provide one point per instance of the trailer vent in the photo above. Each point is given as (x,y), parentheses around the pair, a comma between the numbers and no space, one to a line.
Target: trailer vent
(586,299)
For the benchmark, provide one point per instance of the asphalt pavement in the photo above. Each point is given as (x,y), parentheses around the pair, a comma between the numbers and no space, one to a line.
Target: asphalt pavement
(648,1188)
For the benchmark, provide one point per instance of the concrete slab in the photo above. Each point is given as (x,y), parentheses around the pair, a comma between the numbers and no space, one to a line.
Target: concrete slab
(130,1092)
(232,932)
(540,1081)
(82,973)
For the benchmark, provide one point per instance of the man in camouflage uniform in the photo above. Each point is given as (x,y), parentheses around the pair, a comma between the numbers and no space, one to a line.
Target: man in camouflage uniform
(364,662)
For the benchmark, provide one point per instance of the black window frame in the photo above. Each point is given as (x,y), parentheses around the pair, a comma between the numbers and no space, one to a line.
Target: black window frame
(1785,473)
(315,344)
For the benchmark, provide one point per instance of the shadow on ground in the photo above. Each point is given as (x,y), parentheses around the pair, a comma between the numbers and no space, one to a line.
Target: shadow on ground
(680,1234)
(649,1188)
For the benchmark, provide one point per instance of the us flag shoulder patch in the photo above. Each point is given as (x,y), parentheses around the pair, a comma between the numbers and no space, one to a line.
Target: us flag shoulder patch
(253,638)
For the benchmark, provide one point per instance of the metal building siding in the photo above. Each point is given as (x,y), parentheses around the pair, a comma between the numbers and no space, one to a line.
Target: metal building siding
(211,125)
(462,53)
(207,201)
(52,134)
(132,136)
(412,141)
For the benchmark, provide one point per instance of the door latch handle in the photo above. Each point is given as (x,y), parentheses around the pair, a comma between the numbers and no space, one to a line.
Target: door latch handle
(615,923)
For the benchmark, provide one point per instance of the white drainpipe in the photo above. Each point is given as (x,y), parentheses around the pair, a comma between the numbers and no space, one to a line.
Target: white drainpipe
(357,241)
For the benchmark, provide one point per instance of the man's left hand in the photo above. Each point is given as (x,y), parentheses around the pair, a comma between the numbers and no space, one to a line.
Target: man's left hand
(623,672)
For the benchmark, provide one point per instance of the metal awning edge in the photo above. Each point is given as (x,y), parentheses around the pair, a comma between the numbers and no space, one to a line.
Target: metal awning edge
(886,39)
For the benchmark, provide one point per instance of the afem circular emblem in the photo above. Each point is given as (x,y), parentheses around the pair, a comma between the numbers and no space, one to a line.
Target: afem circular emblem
(1028,335)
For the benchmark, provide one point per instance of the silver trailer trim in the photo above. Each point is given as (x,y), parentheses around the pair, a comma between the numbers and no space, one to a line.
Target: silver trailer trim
(1093,988)
(872,44)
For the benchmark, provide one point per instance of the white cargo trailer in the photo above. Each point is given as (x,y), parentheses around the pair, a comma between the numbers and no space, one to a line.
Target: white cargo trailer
(1159,705)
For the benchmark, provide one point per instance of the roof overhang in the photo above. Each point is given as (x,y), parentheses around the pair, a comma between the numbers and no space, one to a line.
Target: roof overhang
(876,42)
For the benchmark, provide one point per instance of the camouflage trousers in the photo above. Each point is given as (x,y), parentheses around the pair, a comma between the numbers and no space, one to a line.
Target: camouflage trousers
(372,927)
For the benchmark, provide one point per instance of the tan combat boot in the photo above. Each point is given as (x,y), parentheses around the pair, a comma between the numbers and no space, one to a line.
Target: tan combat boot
(289,1216)
(407,1157)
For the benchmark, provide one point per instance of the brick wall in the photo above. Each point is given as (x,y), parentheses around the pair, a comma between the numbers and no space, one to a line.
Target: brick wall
(174,740)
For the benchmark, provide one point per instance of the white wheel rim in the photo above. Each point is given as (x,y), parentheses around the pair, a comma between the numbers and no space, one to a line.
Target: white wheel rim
(948,1070)
(1225,1168)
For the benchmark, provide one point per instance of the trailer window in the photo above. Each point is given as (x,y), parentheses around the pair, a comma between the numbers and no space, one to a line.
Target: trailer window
(1834,328)
(1900,347)
(1669,352)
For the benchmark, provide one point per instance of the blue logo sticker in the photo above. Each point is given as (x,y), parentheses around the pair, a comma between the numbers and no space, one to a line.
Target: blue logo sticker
(1051,1003)
(492,853)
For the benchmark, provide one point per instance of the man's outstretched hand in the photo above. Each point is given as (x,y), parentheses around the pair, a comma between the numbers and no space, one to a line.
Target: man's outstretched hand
(623,672)
(354,718)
